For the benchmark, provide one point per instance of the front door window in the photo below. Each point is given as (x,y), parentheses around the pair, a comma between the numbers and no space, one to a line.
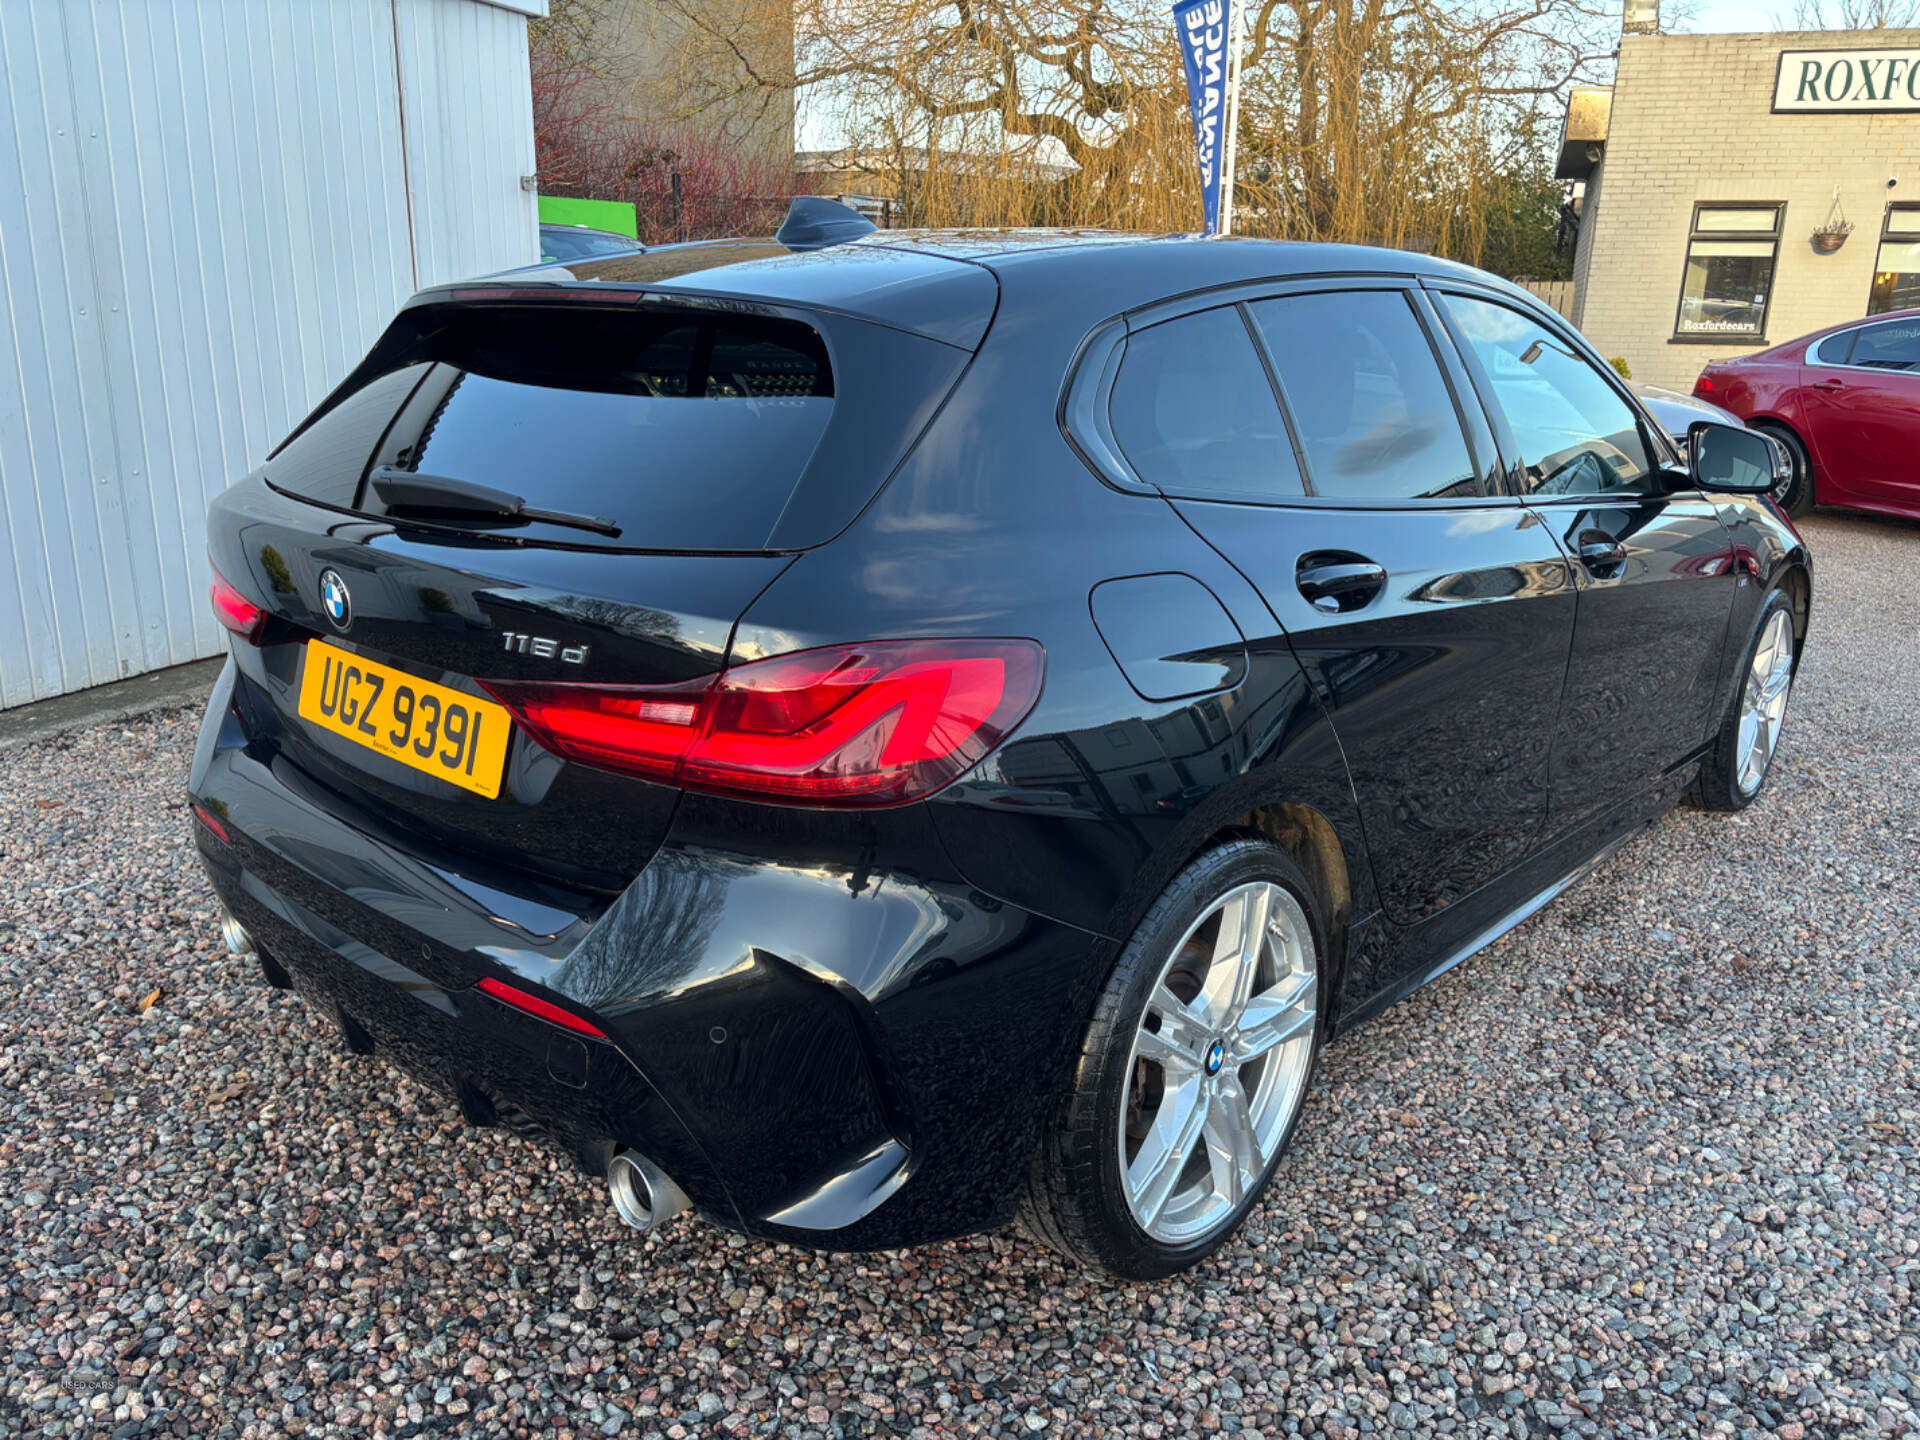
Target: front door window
(1577,435)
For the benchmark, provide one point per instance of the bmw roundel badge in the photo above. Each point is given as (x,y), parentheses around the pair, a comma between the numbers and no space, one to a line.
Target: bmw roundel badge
(335,600)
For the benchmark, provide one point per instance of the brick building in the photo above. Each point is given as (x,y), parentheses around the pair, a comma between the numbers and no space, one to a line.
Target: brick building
(1715,169)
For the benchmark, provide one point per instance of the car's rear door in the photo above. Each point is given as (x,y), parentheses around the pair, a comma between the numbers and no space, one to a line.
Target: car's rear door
(1865,416)
(1432,616)
(1655,571)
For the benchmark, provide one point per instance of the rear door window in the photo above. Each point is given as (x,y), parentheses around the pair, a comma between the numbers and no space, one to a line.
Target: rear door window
(1194,412)
(1889,347)
(1374,414)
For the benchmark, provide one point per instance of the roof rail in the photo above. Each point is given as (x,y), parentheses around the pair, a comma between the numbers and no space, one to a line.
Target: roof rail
(814,222)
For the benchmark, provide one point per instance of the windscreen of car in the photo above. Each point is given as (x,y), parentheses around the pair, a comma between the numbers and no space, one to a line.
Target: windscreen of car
(686,429)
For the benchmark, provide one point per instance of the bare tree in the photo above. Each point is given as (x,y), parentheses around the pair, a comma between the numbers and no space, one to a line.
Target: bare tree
(1679,16)
(1387,122)
(1384,120)
(1850,15)
(571,30)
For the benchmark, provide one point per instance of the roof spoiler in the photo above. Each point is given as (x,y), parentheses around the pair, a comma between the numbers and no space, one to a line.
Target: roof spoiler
(814,222)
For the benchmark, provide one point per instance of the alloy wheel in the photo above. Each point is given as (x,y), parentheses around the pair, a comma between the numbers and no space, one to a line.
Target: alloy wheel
(1220,1062)
(1783,487)
(1763,702)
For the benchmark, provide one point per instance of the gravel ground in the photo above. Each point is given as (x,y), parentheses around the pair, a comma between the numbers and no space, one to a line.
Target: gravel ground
(1647,1167)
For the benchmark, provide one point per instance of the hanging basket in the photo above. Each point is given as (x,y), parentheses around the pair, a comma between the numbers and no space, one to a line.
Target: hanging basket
(1831,235)
(1829,238)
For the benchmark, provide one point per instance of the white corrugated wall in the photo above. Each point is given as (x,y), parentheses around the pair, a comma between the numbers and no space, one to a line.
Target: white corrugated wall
(204,222)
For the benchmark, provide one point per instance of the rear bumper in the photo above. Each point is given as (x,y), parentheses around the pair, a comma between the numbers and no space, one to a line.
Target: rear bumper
(577,1095)
(825,1036)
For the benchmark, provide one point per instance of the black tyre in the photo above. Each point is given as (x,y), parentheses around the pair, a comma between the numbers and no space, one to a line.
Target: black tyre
(1736,769)
(1190,1081)
(1794,494)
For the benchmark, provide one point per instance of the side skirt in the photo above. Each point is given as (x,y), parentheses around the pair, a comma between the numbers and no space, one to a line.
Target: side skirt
(1592,844)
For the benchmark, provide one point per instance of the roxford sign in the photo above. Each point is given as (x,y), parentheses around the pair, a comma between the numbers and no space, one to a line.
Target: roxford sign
(1847,81)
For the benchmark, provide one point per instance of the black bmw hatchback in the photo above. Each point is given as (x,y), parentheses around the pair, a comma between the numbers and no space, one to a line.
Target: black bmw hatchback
(873,740)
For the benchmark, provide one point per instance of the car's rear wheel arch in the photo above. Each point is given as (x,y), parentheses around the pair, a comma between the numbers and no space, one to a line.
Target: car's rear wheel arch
(1779,424)
(1304,832)
(1803,454)
(1308,837)
(1074,1197)
(1795,580)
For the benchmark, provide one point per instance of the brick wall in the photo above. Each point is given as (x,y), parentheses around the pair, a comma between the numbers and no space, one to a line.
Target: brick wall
(1692,121)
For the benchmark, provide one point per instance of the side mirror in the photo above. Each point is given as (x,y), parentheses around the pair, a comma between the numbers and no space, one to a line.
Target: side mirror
(1733,460)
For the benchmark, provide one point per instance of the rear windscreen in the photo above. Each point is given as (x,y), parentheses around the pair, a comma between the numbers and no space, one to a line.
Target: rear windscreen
(687,430)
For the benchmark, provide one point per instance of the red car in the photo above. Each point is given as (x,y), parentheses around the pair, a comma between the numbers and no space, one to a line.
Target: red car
(1846,403)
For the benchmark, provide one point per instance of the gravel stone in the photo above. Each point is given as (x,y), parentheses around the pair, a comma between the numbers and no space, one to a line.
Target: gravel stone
(1646,1168)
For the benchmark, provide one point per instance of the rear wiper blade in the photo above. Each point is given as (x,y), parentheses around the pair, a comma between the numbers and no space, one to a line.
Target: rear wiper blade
(410,490)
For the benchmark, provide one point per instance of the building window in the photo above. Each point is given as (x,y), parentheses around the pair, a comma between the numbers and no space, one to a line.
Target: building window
(1729,277)
(1896,274)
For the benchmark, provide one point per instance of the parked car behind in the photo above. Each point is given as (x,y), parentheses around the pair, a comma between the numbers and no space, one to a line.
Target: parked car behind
(870,740)
(1677,414)
(1845,401)
(561,243)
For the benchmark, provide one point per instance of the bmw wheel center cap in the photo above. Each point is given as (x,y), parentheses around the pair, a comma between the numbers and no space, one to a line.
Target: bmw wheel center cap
(1216,1057)
(335,600)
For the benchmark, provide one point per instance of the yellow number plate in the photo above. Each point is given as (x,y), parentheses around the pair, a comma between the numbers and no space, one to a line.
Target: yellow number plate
(438,731)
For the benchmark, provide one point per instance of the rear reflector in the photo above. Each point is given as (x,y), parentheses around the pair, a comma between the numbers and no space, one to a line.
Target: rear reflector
(207,818)
(879,723)
(543,1009)
(235,611)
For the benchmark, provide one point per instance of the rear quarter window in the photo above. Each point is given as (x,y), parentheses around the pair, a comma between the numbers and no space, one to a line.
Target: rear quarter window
(1194,412)
(325,459)
(1834,349)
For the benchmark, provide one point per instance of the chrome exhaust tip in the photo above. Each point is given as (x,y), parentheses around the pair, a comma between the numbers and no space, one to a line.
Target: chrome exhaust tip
(641,1191)
(239,939)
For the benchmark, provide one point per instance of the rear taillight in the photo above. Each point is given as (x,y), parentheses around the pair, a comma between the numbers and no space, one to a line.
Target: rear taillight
(873,724)
(235,611)
(1704,385)
(531,1004)
(644,729)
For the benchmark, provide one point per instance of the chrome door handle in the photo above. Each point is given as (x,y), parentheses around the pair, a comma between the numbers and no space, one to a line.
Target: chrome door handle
(1602,554)
(1333,583)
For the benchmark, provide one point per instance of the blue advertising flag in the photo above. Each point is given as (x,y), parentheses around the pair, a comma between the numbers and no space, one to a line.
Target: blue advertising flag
(1202,26)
